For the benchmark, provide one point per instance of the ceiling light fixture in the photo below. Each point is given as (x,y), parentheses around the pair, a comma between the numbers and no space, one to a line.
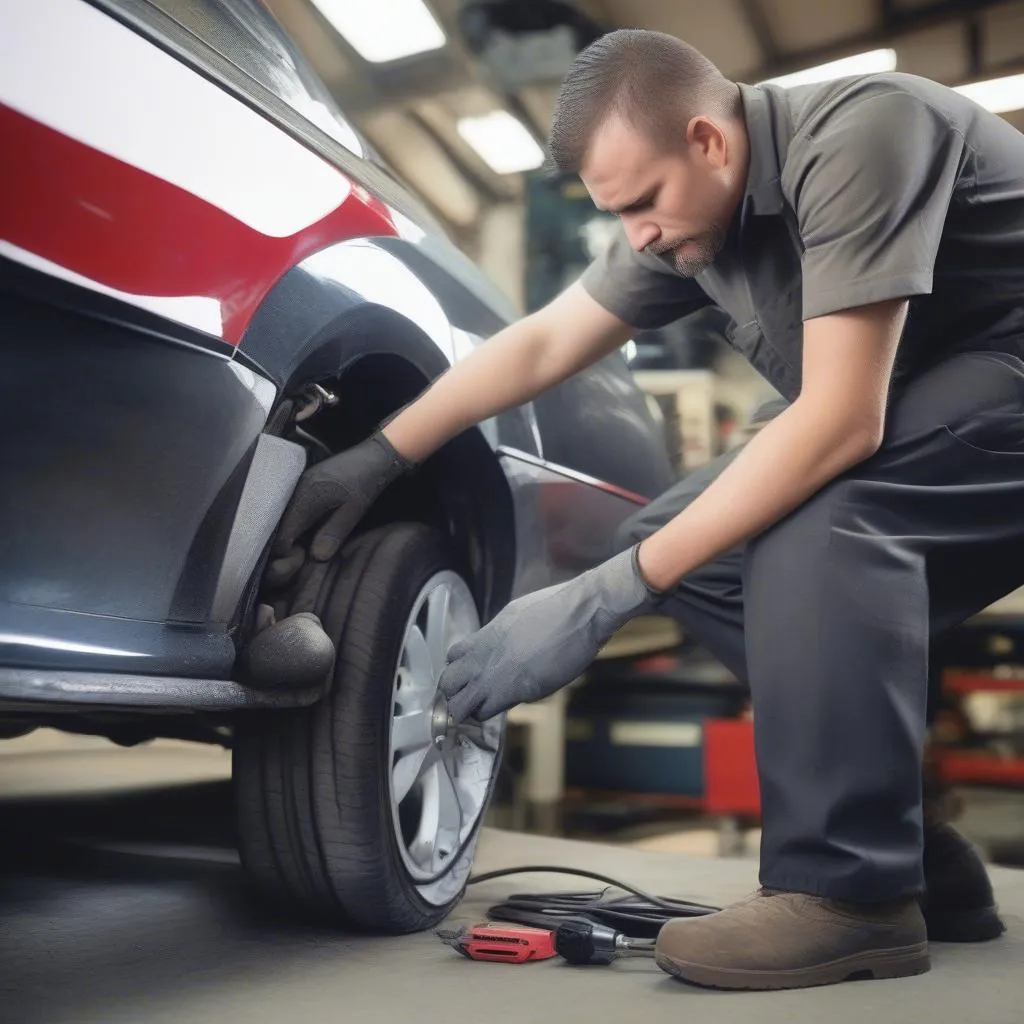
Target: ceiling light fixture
(1000,95)
(384,30)
(502,141)
(870,63)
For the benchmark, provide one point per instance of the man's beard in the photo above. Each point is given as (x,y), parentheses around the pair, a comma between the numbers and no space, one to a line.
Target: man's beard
(701,251)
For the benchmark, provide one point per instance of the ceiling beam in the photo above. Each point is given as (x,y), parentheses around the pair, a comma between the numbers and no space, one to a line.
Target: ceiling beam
(476,180)
(433,75)
(1004,68)
(974,44)
(895,23)
(757,19)
(373,87)
(370,91)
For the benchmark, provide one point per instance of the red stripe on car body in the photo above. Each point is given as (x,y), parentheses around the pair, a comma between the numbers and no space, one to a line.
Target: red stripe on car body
(129,230)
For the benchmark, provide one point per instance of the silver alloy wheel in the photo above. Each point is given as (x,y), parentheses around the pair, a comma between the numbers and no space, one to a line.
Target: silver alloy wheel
(440,779)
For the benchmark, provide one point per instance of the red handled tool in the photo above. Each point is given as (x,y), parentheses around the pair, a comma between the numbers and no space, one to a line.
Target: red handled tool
(513,945)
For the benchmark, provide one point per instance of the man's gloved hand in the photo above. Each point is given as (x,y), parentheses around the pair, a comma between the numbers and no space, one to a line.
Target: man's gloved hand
(342,487)
(541,642)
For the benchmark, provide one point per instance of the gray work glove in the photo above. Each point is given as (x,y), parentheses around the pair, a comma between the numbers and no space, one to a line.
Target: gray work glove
(341,489)
(543,641)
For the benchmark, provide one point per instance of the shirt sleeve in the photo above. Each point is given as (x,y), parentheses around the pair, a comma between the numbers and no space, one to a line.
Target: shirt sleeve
(641,290)
(871,186)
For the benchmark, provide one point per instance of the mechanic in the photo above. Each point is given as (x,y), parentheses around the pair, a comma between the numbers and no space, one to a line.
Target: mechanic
(866,236)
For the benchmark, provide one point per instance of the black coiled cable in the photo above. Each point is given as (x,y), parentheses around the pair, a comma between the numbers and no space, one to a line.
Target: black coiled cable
(639,915)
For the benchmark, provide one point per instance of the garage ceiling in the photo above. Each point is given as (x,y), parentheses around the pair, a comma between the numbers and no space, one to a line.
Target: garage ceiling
(410,108)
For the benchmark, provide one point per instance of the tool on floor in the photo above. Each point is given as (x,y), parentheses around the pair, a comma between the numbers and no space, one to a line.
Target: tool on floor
(500,945)
(581,927)
(582,942)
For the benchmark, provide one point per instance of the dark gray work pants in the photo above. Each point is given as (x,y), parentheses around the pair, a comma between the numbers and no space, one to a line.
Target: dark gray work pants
(828,616)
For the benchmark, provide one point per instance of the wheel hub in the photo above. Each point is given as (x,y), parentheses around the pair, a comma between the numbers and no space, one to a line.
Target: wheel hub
(440,723)
(440,773)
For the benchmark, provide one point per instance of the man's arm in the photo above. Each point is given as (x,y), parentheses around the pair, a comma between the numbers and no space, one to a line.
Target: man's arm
(837,421)
(871,226)
(517,364)
(535,645)
(620,292)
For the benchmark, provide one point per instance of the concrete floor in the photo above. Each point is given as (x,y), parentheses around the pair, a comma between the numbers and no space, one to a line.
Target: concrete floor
(121,901)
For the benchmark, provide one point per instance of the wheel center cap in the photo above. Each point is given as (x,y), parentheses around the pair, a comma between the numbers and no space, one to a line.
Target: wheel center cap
(439,718)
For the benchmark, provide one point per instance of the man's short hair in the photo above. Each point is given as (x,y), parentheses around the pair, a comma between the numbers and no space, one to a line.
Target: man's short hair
(653,80)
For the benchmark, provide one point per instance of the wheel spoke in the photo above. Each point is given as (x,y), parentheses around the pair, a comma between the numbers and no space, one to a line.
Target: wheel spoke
(410,731)
(438,605)
(421,677)
(480,735)
(411,768)
(438,791)
(449,817)
(471,769)
(471,765)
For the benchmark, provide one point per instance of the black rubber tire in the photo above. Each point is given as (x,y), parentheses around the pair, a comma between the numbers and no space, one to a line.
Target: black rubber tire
(315,829)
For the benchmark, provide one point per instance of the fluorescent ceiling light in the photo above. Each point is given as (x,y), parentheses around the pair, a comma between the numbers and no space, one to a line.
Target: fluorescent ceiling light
(998,94)
(870,63)
(383,30)
(502,141)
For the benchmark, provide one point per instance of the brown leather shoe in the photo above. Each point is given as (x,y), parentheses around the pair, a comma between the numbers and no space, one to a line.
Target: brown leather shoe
(790,940)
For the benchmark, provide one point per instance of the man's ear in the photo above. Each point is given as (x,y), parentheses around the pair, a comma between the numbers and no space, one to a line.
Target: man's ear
(708,139)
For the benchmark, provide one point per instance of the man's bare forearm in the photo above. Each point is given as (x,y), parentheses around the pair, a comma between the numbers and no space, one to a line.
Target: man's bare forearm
(515,365)
(837,421)
(790,459)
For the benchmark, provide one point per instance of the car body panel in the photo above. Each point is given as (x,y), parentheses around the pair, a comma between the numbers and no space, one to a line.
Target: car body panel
(128,458)
(176,257)
(308,326)
(172,169)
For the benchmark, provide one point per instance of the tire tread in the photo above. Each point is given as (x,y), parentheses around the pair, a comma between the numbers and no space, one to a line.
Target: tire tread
(312,797)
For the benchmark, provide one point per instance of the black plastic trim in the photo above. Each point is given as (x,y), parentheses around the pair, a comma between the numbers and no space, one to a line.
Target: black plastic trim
(34,689)
(105,492)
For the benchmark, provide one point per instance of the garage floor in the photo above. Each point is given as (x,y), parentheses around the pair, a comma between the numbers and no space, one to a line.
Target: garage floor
(122,902)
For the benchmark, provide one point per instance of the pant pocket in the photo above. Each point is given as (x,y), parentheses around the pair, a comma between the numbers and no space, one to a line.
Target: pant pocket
(991,433)
(976,397)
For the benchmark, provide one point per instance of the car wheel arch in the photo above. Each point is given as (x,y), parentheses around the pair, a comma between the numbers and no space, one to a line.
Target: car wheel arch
(375,362)
(365,329)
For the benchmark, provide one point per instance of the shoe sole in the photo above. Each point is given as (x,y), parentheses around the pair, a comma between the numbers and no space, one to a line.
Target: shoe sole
(884,963)
(980,925)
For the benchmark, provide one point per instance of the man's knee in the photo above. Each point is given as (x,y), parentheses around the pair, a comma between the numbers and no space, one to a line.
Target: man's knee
(798,551)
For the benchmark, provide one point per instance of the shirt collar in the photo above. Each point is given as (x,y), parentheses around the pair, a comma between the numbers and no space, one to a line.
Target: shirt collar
(764,189)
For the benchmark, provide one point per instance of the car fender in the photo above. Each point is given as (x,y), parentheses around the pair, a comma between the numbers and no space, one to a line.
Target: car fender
(359,298)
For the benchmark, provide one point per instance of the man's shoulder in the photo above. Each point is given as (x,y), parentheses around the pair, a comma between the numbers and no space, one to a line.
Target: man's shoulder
(884,123)
(866,100)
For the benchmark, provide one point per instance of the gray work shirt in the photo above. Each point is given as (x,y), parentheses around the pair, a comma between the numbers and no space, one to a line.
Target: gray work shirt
(859,190)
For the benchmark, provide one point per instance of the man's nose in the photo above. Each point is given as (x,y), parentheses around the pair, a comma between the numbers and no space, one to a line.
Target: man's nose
(641,233)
